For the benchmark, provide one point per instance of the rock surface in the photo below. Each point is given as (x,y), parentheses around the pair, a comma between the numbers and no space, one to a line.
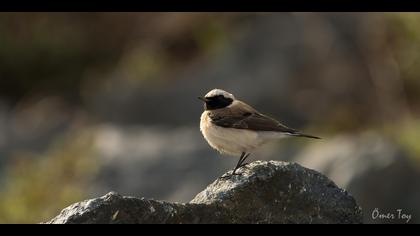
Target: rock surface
(265,192)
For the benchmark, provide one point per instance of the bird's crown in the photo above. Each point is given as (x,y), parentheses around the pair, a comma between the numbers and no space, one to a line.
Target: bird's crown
(218,92)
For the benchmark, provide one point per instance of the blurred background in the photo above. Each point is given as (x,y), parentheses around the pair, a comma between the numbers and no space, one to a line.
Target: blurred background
(99,102)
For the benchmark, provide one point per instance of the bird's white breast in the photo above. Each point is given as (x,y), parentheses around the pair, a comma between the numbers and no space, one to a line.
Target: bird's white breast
(232,141)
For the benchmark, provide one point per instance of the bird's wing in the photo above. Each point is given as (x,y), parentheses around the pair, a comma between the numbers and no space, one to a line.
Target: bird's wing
(242,116)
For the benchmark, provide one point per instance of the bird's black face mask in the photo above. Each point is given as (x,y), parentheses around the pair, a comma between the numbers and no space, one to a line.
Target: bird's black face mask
(216,102)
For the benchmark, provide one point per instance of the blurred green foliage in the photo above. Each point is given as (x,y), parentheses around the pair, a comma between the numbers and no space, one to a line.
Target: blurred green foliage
(53,46)
(404,29)
(407,135)
(64,49)
(39,186)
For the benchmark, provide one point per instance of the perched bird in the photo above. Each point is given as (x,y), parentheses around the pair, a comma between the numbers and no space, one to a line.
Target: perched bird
(235,128)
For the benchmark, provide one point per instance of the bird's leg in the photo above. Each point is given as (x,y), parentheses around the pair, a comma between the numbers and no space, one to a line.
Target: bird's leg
(238,165)
(242,164)
(241,159)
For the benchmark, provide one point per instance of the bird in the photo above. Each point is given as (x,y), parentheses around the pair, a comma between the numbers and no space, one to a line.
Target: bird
(234,128)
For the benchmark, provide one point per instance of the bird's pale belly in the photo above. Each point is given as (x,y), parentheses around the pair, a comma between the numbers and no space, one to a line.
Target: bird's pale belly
(232,141)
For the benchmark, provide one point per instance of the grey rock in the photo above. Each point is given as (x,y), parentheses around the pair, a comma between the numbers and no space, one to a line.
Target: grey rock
(264,192)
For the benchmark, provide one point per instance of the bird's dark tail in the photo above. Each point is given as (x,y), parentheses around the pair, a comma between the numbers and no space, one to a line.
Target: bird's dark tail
(304,135)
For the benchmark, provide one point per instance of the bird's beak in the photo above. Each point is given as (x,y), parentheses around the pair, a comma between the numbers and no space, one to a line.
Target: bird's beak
(202,99)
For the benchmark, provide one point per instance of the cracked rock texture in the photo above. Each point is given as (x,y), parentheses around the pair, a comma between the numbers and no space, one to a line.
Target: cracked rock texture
(265,192)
